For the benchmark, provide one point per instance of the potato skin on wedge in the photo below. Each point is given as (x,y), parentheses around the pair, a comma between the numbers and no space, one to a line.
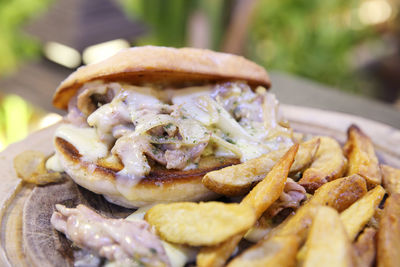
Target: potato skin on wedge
(238,179)
(365,248)
(217,255)
(200,224)
(390,179)
(389,233)
(338,194)
(329,164)
(263,195)
(341,193)
(357,215)
(361,156)
(327,243)
(277,251)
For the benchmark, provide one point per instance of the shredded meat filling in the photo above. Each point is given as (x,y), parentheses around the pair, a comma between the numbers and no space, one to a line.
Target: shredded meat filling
(95,94)
(75,116)
(118,240)
(291,197)
(144,123)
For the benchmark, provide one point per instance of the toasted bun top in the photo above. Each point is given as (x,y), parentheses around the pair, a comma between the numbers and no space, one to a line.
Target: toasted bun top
(164,66)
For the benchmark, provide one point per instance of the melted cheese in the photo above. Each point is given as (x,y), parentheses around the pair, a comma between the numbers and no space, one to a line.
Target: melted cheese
(188,99)
(245,144)
(85,140)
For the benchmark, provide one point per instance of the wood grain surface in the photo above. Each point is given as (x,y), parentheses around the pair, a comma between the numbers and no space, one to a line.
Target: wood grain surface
(17,198)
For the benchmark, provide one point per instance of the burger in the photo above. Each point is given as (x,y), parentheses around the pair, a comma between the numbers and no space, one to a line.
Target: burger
(145,125)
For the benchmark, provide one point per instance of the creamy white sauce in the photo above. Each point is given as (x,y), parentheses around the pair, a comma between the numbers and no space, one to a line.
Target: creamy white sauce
(204,114)
(85,140)
(251,140)
(188,98)
(54,164)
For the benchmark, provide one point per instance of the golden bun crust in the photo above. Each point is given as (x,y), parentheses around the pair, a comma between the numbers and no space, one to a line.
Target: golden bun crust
(161,185)
(165,66)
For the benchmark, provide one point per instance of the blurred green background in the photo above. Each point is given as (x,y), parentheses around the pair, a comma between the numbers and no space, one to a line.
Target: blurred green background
(335,42)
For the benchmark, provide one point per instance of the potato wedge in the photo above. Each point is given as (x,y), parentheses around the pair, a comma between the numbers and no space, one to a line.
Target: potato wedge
(390,179)
(362,160)
(277,251)
(305,155)
(200,224)
(30,163)
(327,241)
(217,255)
(271,187)
(238,179)
(329,164)
(356,216)
(30,167)
(260,198)
(365,248)
(340,193)
(296,224)
(389,233)
(261,228)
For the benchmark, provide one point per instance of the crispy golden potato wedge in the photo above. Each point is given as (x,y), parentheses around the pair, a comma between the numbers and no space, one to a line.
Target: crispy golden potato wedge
(356,216)
(340,193)
(30,163)
(389,233)
(374,221)
(390,179)
(305,155)
(365,248)
(30,166)
(271,187)
(200,224)
(217,255)
(296,224)
(362,160)
(238,179)
(47,178)
(261,228)
(329,164)
(260,198)
(277,251)
(327,242)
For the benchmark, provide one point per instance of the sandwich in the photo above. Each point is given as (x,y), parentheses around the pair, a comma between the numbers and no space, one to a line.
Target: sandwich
(146,125)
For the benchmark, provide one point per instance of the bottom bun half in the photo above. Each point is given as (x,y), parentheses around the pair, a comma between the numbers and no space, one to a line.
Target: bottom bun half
(161,185)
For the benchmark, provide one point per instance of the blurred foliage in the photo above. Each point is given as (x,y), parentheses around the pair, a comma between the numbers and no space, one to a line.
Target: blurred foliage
(16,118)
(168,20)
(311,38)
(14,45)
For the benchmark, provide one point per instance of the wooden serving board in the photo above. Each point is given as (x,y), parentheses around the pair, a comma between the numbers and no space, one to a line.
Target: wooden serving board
(15,196)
